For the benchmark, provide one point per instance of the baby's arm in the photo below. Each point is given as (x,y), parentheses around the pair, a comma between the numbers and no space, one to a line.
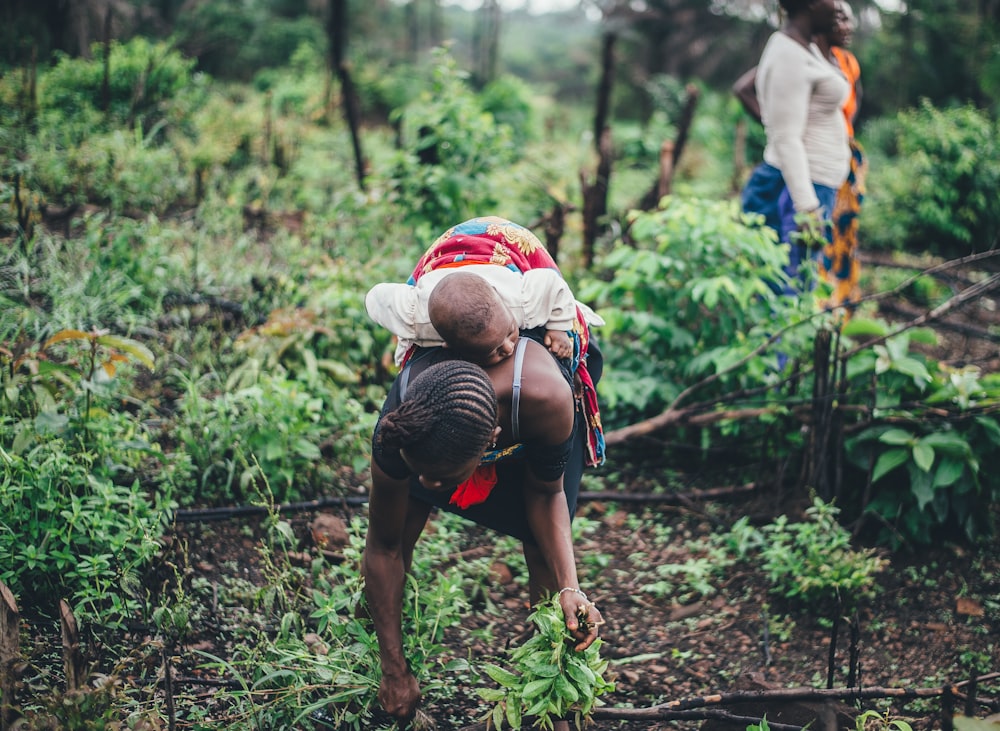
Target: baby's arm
(402,310)
(559,343)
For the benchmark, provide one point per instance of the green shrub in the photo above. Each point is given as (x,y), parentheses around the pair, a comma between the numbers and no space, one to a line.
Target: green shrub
(269,431)
(72,511)
(812,561)
(143,75)
(74,533)
(924,451)
(508,99)
(688,297)
(451,144)
(932,181)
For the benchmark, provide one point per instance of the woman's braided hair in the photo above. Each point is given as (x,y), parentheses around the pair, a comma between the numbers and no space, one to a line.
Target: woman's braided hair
(447,416)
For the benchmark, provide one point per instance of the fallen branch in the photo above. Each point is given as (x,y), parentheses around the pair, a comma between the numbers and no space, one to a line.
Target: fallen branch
(208,515)
(667,711)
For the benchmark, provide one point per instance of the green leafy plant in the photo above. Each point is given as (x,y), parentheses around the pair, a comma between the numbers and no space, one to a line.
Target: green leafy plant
(813,562)
(934,429)
(932,179)
(322,667)
(452,144)
(71,509)
(875,721)
(547,679)
(687,298)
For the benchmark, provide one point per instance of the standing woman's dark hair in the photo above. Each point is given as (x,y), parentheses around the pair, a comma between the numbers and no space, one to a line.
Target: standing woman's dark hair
(448,414)
(792,7)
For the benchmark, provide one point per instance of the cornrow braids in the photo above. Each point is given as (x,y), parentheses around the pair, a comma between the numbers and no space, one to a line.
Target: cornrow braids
(447,416)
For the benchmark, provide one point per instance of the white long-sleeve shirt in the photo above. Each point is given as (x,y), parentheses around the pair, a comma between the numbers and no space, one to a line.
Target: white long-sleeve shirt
(801,95)
(537,297)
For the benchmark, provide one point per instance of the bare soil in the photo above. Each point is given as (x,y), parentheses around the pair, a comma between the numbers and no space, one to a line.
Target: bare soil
(935,620)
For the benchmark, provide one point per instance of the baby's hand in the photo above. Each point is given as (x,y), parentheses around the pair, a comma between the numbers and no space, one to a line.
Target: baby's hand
(559,343)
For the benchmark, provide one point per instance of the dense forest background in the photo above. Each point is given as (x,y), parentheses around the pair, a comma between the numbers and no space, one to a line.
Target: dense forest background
(946,51)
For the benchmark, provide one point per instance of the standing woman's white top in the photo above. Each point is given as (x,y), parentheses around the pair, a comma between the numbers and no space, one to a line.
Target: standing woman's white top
(801,95)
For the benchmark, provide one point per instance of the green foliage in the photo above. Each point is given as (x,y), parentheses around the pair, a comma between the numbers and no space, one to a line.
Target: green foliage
(450,145)
(72,513)
(932,181)
(547,679)
(108,149)
(271,430)
(325,670)
(508,99)
(143,75)
(235,41)
(926,471)
(875,721)
(687,297)
(812,562)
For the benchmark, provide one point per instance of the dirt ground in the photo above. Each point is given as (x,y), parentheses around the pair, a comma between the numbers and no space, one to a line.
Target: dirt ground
(935,620)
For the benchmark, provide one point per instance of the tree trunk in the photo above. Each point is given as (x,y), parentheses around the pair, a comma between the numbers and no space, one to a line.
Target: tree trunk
(595,198)
(488,45)
(603,110)
(670,153)
(337,33)
(73,663)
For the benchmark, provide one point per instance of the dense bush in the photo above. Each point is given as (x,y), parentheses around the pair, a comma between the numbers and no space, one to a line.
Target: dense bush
(142,75)
(932,181)
(685,297)
(450,144)
(72,514)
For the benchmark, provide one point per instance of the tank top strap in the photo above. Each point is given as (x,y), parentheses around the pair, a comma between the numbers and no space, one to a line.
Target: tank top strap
(515,397)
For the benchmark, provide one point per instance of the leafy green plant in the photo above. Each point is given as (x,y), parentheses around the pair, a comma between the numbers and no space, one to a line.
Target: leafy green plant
(322,667)
(933,173)
(813,562)
(451,144)
(143,75)
(695,578)
(271,431)
(935,429)
(687,298)
(547,680)
(875,721)
(73,532)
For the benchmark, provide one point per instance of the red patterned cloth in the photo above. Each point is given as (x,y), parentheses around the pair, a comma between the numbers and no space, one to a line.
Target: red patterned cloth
(493,240)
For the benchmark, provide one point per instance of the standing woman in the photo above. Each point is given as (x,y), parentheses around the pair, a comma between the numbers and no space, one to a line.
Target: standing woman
(807,156)
(839,264)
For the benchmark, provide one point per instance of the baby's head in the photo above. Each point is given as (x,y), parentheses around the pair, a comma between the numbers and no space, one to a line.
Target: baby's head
(472,319)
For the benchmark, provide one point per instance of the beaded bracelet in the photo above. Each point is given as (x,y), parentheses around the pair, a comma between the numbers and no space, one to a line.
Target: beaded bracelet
(570,588)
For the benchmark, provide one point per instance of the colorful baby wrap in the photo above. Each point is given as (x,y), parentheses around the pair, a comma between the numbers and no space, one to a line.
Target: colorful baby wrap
(493,240)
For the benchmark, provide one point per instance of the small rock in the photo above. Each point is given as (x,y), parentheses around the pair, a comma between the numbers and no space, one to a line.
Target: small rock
(501,573)
(329,531)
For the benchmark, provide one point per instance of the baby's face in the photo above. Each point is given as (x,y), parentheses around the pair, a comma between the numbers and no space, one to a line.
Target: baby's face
(494,344)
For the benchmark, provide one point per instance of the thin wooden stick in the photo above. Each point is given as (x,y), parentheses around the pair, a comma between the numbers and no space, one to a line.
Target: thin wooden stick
(9,653)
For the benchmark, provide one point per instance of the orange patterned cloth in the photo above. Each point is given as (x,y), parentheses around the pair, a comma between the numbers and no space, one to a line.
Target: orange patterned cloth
(839,263)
